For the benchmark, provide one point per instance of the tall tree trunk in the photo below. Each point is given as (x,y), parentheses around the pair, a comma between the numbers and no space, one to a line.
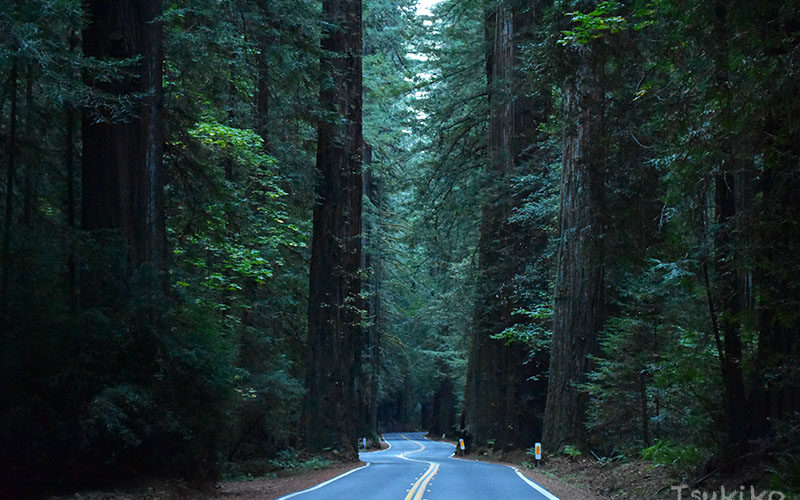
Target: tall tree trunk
(32,168)
(69,161)
(728,260)
(330,410)
(263,91)
(729,241)
(69,202)
(775,388)
(443,408)
(10,168)
(498,386)
(121,166)
(775,383)
(371,262)
(578,301)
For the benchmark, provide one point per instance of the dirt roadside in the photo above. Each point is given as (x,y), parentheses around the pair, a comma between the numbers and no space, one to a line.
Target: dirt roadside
(260,489)
(256,489)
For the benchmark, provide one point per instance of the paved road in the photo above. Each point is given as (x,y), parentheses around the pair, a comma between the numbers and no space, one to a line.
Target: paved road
(414,468)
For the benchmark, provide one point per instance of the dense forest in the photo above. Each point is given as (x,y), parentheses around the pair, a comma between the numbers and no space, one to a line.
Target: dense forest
(237,231)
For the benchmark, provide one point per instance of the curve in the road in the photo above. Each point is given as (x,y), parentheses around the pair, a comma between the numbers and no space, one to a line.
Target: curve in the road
(418,489)
(412,464)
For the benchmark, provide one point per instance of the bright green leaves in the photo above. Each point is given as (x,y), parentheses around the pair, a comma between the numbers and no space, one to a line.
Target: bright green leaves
(594,24)
(605,20)
(243,146)
(238,231)
(534,329)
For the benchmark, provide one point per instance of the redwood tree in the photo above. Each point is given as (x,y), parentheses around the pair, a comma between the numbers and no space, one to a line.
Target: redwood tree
(122,141)
(330,410)
(578,296)
(499,396)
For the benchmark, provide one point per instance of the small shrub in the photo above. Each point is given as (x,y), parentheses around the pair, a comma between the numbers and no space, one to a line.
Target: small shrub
(315,463)
(667,452)
(785,474)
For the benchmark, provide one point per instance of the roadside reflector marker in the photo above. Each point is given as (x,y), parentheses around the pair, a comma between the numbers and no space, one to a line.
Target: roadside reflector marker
(461,444)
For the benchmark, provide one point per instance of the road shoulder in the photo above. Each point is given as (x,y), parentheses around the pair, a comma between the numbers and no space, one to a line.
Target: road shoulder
(260,489)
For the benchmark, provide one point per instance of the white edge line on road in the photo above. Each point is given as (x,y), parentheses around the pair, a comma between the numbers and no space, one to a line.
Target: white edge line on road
(535,486)
(522,476)
(320,485)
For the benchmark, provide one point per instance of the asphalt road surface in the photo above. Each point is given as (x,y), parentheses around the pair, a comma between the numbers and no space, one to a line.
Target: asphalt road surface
(414,468)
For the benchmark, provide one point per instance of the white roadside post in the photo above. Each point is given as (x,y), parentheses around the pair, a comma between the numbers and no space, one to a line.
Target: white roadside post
(461,445)
(364,443)
(537,449)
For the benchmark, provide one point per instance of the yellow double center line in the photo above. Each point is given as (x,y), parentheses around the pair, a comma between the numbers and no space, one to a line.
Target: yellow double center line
(418,490)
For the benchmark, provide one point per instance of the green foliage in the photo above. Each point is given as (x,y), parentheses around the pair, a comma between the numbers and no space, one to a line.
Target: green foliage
(594,24)
(287,460)
(105,402)
(571,451)
(605,20)
(532,334)
(669,453)
(415,278)
(240,151)
(144,383)
(785,474)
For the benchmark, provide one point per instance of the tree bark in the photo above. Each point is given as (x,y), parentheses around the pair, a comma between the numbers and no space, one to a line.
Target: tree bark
(121,165)
(775,384)
(371,262)
(31,171)
(578,301)
(69,161)
(330,410)
(729,294)
(10,168)
(498,393)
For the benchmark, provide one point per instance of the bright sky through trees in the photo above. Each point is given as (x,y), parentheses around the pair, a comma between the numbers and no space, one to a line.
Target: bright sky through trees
(424,7)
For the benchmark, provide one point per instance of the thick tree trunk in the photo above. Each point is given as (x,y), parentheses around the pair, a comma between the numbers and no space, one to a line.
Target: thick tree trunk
(775,384)
(498,390)
(121,171)
(578,307)
(69,161)
(263,99)
(69,202)
(263,96)
(443,409)
(10,169)
(728,260)
(330,410)
(30,185)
